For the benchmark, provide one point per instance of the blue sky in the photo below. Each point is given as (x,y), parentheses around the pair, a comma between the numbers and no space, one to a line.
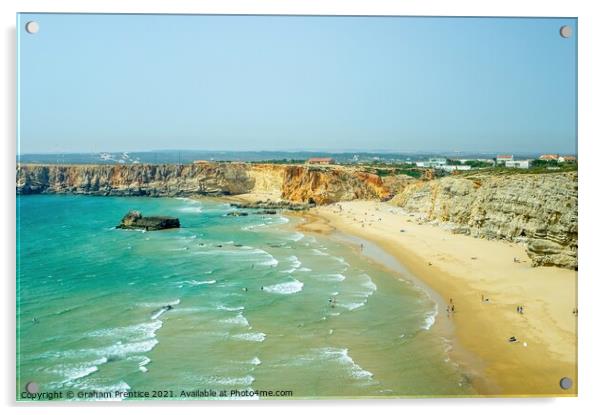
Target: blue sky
(90,83)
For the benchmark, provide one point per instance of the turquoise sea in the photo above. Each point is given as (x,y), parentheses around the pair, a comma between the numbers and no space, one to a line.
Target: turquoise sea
(255,306)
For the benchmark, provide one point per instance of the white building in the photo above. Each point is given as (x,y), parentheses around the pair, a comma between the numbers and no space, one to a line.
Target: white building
(453,168)
(433,162)
(518,164)
(501,159)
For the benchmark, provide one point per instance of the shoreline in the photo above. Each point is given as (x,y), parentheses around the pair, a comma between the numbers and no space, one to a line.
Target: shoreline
(546,348)
(468,364)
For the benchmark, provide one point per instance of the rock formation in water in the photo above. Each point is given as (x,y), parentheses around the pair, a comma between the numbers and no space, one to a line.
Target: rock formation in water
(539,209)
(272,205)
(135,220)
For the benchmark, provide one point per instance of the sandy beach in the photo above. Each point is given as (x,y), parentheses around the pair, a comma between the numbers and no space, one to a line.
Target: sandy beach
(485,281)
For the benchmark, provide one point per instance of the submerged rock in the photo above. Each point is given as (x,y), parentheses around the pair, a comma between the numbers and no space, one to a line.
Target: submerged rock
(135,220)
(237,213)
(269,206)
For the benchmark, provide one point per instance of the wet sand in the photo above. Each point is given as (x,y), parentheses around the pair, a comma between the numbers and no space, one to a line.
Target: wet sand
(485,285)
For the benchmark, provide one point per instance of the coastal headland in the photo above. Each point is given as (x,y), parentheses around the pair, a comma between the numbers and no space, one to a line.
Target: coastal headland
(500,248)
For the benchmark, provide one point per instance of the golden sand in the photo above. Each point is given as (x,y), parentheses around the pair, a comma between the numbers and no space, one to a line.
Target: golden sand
(486,282)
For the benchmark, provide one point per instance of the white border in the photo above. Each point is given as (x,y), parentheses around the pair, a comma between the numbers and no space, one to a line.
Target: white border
(590,153)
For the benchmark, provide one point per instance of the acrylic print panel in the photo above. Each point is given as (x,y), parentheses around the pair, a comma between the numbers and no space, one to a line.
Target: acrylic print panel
(288,207)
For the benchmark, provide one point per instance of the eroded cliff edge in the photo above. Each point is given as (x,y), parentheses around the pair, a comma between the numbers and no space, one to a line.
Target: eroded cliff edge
(538,209)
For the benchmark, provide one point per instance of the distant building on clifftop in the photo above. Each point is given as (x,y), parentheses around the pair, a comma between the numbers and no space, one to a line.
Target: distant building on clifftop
(501,159)
(519,164)
(432,162)
(567,159)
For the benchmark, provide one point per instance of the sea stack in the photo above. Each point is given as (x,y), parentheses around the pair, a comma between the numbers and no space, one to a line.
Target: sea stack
(135,220)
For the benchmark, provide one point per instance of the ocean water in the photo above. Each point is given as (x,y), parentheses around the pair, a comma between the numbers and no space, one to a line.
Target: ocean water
(250,301)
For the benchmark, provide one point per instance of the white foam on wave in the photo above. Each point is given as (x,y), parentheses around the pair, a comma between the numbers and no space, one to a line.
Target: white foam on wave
(251,227)
(280,220)
(251,337)
(335,277)
(142,362)
(193,283)
(342,356)
(319,252)
(190,209)
(272,262)
(123,349)
(73,372)
(238,320)
(136,332)
(296,237)
(353,306)
(369,284)
(430,318)
(158,313)
(142,365)
(295,264)
(225,308)
(340,260)
(290,287)
(156,305)
(141,338)
(362,296)
(255,361)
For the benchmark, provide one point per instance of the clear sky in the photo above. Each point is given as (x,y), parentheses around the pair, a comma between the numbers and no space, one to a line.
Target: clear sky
(91,83)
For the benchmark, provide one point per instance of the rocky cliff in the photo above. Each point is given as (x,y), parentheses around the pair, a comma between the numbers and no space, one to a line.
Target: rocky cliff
(539,209)
(134,180)
(296,183)
(323,185)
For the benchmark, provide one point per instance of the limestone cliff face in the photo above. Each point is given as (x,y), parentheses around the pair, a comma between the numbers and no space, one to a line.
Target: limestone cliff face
(268,179)
(326,185)
(135,180)
(539,209)
(295,183)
